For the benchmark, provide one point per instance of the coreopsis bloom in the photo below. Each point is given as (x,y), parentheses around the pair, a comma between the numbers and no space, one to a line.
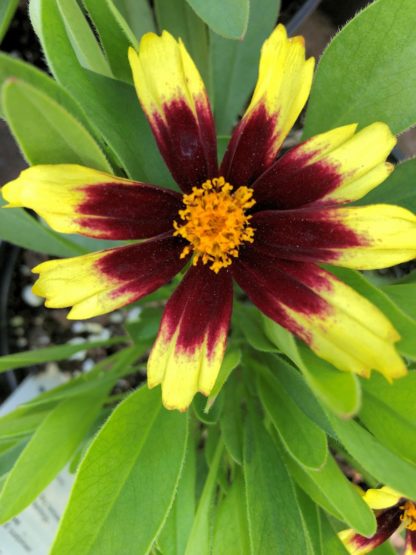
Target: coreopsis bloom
(394,512)
(265,221)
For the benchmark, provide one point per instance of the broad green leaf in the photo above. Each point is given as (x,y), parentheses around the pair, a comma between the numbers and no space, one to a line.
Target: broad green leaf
(389,412)
(45,131)
(228,18)
(380,462)
(274,517)
(9,457)
(399,188)
(82,38)
(235,63)
(179,19)
(384,549)
(301,437)
(7,10)
(329,488)
(176,530)
(19,228)
(230,420)
(340,391)
(199,537)
(231,526)
(124,487)
(208,414)
(21,423)
(111,106)
(249,320)
(49,449)
(367,72)
(60,352)
(404,324)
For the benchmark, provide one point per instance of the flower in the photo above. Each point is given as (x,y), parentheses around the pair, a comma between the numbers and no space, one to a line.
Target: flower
(393,512)
(265,221)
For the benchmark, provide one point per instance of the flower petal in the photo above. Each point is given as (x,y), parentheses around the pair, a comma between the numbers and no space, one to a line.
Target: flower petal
(100,282)
(382,498)
(173,97)
(75,199)
(365,238)
(335,167)
(189,349)
(410,547)
(282,88)
(387,522)
(337,323)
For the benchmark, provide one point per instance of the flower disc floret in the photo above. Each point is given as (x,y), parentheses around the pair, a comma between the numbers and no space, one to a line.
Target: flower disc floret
(409,515)
(215,222)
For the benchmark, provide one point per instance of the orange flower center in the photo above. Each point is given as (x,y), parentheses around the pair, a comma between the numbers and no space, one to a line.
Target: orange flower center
(215,223)
(409,515)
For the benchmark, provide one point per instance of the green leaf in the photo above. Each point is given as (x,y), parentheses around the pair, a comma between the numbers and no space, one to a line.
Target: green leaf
(385,466)
(235,63)
(60,352)
(19,228)
(7,10)
(8,458)
(49,449)
(389,412)
(301,437)
(404,324)
(124,487)
(228,18)
(176,530)
(181,21)
(340,391)
(199,537)
(330,489)
(367,72)
(403,296)
(111,106)
(230,362)
(231,526)
(399,188)
(230,420)
(249,320)
(330,541)
(137,14)
(311,517)
(275,521)
(82,38)
(45,131)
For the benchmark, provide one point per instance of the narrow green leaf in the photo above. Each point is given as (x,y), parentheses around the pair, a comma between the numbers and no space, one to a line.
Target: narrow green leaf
(8,458)
(340,391)
(329,488)
(381,463)
(235,63)
(60,352)
(199,537)
(231,526)
(302,438)
(7,10)
(275,521)
(50,448)
(230,420)
(330,541)
(179,19)
(367,72)
(137,14)
(82,38)
(389,412)
(311,517)
(110,105)
(231,360)
(176,530)
(228,18)
(124,487)
(403,296)
(399,188)
(45,131)
(249,320)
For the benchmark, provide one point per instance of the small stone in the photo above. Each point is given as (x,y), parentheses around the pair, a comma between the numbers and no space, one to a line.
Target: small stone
(88,365)
(93,327)
(116,317)
(21,342)
(30,298)
(80,355)
(17,321)
(133,315)
(78,327)
(102,336)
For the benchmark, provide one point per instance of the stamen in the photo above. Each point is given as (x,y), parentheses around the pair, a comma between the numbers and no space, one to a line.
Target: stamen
(215,223)
(409,515)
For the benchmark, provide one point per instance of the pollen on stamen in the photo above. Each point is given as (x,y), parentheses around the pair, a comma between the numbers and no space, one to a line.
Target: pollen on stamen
(215,223)
(409,515)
